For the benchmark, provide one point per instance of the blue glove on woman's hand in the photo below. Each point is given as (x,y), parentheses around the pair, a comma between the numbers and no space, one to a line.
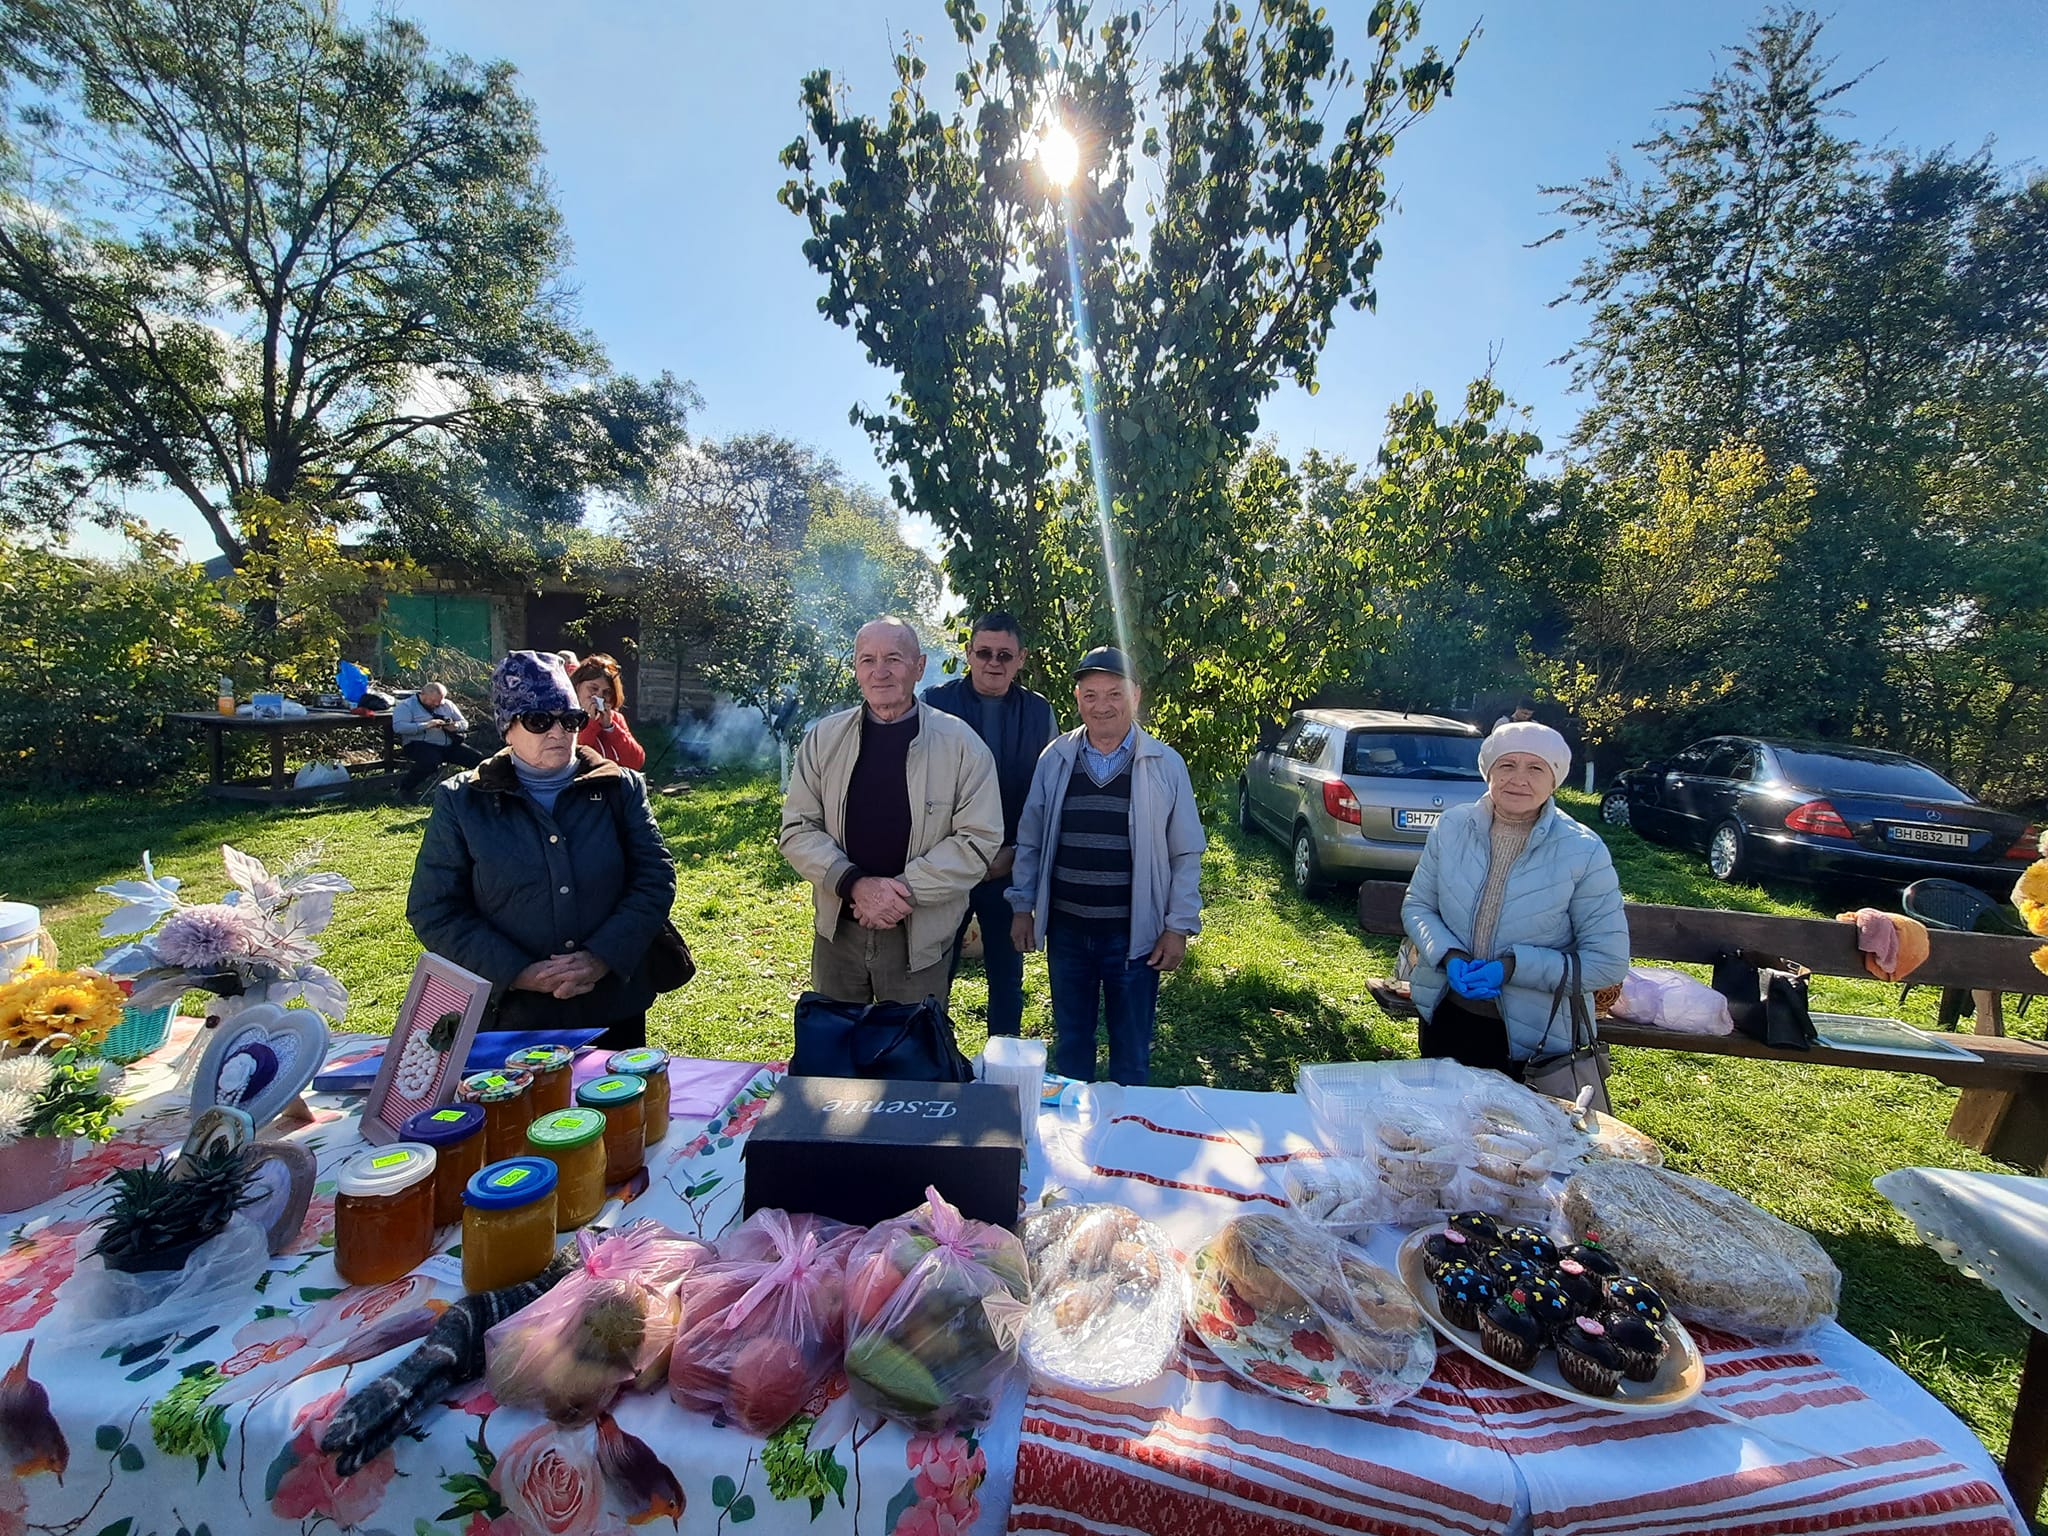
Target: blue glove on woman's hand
(1479,980)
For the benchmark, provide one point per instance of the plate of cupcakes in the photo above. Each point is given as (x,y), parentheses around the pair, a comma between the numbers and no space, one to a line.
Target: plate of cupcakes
(1565,1319)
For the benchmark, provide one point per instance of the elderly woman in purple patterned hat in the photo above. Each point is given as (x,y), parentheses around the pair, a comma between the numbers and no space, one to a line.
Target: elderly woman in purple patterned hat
(543,869)
(1507,889)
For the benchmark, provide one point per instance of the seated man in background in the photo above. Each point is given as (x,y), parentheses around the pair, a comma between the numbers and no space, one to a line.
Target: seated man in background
(431,731)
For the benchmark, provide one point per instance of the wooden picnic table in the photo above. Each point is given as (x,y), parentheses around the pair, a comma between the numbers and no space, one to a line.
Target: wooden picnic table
(2003,1108)
(276,788)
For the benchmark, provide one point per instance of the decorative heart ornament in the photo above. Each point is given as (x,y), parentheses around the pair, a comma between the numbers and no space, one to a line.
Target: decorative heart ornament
(260,1060)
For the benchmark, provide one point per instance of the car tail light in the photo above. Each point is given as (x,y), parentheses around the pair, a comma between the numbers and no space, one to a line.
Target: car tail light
(2028,847)
(1340,802)
(1817,817)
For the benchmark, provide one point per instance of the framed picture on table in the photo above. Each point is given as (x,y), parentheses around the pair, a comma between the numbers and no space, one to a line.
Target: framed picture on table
(429,1045)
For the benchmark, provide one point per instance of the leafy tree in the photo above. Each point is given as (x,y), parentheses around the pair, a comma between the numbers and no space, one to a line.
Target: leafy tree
(317,597)
(1262,161)
(757,561)
(249,250)
(1668,626)
(93,651)
(1877,321)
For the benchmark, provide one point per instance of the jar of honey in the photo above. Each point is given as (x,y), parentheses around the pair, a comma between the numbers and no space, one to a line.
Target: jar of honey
(456,1133)
(508,1223)
(573,1140)
(549,1065)
(384,1213)
(623,1098)
(649,1063)
(504,1098)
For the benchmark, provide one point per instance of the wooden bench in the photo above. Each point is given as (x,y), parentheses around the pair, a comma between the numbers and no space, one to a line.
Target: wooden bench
(2003,1110)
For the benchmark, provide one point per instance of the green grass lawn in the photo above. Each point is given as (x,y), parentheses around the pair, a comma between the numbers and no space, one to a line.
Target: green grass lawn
(1274,981)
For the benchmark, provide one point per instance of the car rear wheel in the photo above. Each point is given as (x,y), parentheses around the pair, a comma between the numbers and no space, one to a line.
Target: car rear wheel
(1305,867)
(1614,808)
(1728,852)
(1244,808)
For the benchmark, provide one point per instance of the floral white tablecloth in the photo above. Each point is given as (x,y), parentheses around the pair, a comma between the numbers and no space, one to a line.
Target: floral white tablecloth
(212,1426)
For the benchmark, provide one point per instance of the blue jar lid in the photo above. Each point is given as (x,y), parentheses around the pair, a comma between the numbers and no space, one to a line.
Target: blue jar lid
(444,1127)
(513,1182)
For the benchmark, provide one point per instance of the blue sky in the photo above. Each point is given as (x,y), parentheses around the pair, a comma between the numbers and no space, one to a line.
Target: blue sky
(663,121)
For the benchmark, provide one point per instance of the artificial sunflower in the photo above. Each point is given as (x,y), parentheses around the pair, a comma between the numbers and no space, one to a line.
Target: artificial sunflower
(81,1004)
(16,998)
(2031,895)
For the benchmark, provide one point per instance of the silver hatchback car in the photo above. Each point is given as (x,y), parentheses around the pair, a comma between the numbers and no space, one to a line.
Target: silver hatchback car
(1354,792)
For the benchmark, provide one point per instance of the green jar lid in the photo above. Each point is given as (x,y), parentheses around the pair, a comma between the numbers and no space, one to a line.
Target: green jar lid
(494,1087)
(541,1058)
(604,1092)
(640,1061)
(563,1129)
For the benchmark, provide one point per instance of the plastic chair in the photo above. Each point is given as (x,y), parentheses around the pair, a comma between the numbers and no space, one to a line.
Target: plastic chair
(1954,905)
(1959,908)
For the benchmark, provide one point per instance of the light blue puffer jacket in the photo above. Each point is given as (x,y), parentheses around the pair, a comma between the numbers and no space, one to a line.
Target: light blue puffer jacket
(1561,895)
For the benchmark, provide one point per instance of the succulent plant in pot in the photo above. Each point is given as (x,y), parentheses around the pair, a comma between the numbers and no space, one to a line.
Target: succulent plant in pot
(157,1217)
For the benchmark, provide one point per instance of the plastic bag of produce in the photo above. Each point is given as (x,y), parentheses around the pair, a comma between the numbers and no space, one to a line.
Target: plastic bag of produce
(936,1304)
(611,1323)
(765,1321)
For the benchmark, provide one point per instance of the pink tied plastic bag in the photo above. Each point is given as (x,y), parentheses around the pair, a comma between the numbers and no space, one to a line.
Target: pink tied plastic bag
(611,1323)
(764,1322)
(936,1304)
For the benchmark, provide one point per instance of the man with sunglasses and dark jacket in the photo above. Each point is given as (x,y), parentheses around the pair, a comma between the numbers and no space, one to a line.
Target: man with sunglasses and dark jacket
(1015,725)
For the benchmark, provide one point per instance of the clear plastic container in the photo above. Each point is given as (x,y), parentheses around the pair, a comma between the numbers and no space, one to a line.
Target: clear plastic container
(573,1140)
(384,1213)
(456,1133)
(623,1100)
(506,1115)
(549,1066)
(649,1063)
(508,1223)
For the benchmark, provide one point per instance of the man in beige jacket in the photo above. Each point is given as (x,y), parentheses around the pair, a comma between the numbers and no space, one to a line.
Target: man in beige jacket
(893,814)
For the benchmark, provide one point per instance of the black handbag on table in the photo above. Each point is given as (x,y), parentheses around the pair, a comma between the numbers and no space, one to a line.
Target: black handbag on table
(1767,999)
(907,1042)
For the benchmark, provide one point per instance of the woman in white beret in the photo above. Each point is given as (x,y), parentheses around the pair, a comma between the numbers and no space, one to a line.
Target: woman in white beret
(1507,890)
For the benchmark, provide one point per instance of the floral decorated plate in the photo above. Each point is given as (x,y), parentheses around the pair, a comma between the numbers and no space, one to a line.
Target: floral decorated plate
(1291,1353)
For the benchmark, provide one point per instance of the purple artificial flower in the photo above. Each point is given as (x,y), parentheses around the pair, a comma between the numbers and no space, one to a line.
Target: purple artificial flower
(210,937)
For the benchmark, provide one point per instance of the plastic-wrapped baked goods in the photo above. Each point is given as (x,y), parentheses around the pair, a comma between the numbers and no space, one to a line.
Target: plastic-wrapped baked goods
(1108,1297)
(1714,1257)
(1305,1316)
(1335,1193)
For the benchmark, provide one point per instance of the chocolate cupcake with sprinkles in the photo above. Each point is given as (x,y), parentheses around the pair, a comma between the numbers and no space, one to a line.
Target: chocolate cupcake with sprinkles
(1462,1292)
(1509,1334)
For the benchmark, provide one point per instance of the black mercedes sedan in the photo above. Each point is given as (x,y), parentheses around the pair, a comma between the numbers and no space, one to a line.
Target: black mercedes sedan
(1810,811)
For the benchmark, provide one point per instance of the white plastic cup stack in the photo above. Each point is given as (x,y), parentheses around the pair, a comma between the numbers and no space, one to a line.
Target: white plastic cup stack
(1020,1065)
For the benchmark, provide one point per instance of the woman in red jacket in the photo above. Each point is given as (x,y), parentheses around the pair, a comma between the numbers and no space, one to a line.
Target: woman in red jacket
(597,685)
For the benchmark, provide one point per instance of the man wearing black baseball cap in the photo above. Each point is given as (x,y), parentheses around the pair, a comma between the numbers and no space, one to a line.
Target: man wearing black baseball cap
(1108,873)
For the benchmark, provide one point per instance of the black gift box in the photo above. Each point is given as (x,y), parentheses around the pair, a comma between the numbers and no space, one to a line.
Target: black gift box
(863,1151)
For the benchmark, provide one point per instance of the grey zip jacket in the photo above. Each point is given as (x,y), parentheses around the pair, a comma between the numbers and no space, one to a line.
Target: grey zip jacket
(1167,840)
(1561,895)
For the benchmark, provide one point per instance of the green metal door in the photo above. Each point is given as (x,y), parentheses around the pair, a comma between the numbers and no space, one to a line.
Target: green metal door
(445,620)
